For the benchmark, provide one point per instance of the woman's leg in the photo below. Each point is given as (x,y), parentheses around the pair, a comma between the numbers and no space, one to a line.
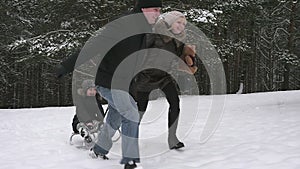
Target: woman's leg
(142,99)
(171,93)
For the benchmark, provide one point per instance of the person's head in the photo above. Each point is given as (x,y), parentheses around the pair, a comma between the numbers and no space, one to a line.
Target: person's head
(176,21)
(91,91)
(150,9)
(87,88)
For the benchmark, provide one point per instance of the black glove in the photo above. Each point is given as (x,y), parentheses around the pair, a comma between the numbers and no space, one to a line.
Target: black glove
(60,71)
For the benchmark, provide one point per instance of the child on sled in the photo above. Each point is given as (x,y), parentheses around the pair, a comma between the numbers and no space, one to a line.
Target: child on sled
(89,111)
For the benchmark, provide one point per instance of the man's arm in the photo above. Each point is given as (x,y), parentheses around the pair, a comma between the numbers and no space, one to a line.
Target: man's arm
(67,65)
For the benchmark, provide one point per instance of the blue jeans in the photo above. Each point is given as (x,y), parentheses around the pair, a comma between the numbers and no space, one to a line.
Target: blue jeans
(123,110)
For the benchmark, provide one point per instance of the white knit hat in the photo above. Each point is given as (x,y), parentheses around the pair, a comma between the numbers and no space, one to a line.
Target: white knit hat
(171,17)
(86,84)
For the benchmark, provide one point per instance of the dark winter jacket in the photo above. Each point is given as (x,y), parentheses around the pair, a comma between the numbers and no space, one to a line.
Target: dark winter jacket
(151,78)
(88,108)
(114,57)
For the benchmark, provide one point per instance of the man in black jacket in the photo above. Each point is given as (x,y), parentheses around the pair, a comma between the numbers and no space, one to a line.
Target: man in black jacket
(114,74)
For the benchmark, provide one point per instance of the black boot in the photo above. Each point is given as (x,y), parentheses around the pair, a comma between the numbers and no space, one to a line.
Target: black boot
(177,146)
(88,139)
(93,154)
(173,141)
(130,165)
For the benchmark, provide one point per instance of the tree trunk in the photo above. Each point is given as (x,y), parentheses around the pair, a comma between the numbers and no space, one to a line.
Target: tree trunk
(291,31)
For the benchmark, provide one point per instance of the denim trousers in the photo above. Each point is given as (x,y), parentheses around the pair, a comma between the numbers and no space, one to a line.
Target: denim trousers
(122,111)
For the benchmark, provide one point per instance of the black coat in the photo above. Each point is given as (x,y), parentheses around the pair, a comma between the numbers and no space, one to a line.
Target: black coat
(151,78)
(88,108)
(114,56)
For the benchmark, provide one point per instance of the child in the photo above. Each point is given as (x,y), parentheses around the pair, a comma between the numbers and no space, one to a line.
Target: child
(169,32)
(89,112)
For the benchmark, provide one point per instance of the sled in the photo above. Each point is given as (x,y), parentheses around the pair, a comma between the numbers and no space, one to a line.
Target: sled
(91,133)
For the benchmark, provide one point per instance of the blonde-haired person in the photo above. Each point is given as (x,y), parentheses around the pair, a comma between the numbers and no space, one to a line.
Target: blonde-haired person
(169,33)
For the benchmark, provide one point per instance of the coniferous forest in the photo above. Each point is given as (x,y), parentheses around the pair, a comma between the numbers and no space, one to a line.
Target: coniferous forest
(258,42)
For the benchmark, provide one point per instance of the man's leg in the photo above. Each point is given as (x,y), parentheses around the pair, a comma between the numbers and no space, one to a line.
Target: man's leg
(108,130)
(125,106)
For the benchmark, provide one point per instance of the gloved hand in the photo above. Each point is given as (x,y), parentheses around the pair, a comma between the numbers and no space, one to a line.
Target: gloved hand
(190,60)
(60,71)
(186,68)
(189,50)
(193,69)
(188,56)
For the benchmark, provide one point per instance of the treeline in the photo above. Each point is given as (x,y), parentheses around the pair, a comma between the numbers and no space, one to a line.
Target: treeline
(258,42)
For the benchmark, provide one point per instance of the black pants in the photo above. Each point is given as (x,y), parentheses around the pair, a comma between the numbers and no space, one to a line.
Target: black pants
(171,93)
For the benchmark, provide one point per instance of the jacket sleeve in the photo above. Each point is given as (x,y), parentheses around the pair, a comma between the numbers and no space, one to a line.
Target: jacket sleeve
(67,65)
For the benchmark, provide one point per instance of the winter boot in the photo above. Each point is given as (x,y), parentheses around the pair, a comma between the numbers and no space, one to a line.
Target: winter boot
(88,139)
(93,154)
(130,165)
(177,146)
(173,141)
(82,129)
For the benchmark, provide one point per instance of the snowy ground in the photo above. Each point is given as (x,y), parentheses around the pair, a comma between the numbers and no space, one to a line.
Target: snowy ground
(257,131)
